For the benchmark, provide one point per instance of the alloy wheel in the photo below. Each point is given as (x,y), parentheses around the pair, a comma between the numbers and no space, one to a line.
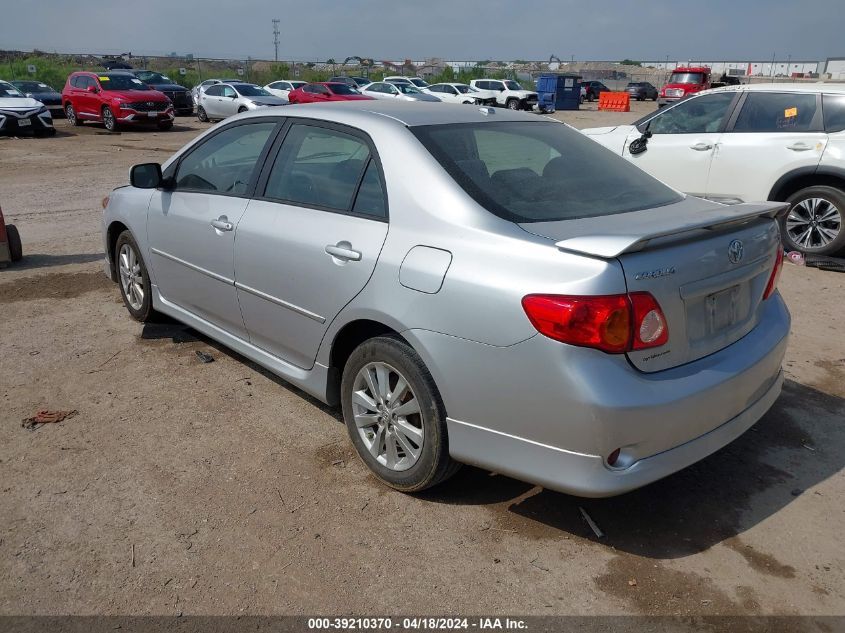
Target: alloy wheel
(70,114)
(108,119)
(388,416)
(131,277)
(813,223)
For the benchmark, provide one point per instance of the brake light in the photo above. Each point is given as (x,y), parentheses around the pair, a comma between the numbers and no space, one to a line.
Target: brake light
(773,278)
(611,323)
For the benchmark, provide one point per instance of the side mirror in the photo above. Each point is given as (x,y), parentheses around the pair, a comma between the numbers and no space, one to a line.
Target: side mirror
(146,176)
(92,89)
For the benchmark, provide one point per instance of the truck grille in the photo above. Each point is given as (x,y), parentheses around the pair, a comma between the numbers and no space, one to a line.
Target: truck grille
(180,99)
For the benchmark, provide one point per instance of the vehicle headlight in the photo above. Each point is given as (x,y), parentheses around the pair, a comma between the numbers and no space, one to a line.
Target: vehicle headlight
(42,110)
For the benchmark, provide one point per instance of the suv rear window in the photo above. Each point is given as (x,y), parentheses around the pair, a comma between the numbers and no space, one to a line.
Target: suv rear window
(777,112)
(540,171)
(834,112)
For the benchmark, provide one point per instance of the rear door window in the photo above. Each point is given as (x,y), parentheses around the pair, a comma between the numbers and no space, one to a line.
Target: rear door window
(318,167)
(834,112)
(698,115)
(777,112)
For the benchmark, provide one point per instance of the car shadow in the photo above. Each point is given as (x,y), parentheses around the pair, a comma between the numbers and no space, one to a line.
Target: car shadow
(37,260)
(178,333)
(799,443)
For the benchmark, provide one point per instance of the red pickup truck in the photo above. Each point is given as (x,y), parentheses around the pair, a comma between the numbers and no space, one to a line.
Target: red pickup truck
(684,81)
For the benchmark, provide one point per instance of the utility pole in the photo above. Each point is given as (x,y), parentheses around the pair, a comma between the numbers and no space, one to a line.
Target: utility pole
(276,37)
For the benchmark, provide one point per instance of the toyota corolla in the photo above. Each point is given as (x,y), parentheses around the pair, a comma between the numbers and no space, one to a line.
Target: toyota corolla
(470,285)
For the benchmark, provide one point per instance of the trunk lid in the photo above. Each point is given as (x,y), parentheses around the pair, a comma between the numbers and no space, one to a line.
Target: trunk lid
(706,264)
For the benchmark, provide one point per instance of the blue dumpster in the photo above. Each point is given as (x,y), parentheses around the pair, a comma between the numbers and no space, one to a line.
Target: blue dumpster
(558,92)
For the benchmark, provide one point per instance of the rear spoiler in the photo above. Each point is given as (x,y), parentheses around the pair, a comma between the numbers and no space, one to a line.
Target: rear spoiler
(654,226)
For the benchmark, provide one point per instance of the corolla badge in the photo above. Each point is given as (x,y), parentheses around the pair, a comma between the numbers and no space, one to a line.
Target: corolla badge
(735,251)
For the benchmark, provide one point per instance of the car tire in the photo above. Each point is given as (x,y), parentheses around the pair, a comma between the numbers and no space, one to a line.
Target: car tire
(242,109)
(13,239)
(165,125)
(814,222)
(201,115)
(70,115)
(109,121)
(387,445)
(133,279)
(512,104)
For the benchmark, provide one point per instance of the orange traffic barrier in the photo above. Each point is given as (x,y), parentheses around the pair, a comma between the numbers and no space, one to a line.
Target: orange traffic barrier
(615,101)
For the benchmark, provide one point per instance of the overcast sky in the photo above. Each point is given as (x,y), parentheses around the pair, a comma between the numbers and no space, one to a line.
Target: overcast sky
(398,29)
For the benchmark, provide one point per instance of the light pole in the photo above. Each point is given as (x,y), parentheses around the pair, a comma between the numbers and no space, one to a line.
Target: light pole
(276,37)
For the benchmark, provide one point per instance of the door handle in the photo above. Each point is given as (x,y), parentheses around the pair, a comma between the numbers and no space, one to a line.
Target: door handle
(343,250)
(799,147)
(222,224)
(701,147)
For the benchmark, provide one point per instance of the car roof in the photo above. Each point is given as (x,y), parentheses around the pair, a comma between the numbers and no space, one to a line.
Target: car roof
(407,114)
(784,87)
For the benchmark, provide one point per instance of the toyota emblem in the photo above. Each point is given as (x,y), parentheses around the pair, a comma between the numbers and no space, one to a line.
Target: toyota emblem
(735,251)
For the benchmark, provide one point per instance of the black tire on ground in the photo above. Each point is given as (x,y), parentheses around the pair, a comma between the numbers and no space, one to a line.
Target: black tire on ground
(70,115)
(201,115)
(654,98)
(109,121)
(824,219)
(14,240)
(434,464)
(143,312)
(165,125)
(512,104)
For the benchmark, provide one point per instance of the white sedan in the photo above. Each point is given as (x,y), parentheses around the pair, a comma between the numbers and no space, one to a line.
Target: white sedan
(400,92)
(283,87)
(454,93)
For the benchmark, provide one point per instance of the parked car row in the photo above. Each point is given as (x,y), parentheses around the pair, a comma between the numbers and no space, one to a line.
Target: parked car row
(739,143)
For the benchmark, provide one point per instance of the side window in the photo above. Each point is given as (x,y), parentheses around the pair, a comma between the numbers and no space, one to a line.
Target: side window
(214,90)
(318,166)
(74,81)
(451,90)
(228,91)
(435,88)
(370,198)
(226,161)
(698,115)
(834,112)
(776,112)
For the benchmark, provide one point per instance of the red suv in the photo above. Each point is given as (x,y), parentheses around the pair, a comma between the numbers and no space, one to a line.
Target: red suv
(114,98)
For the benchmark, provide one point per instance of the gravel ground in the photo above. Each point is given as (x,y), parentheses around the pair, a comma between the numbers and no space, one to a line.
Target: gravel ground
(182,487)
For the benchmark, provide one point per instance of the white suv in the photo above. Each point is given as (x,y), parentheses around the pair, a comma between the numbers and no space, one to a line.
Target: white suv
(782,142)
(505,92)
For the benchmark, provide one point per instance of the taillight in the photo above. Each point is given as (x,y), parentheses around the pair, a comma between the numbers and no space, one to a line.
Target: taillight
(650,329)
(773,278)
(612,323)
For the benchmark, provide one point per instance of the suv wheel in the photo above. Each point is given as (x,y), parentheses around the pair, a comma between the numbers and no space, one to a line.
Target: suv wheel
(395,416)
(108,119)
(133,279)
(512,104)
(13,239)
(201,115)
(70,113)
(813,223)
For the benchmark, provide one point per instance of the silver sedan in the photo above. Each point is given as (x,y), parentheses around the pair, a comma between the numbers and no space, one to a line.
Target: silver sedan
(544,310)
(399,92)
(227,99)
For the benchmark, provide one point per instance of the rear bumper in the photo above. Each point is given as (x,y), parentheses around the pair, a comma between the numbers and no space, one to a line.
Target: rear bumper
(549,413)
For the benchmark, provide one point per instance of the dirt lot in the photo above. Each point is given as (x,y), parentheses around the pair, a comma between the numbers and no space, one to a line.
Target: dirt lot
(182,487)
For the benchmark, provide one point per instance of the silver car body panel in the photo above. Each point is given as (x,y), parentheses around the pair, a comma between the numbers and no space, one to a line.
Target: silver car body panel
(449,277)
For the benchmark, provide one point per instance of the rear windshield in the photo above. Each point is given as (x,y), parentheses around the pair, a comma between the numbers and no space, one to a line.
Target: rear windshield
(540,171)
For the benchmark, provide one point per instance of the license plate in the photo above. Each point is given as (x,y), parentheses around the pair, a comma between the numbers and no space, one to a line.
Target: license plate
(152,115)
(24,122)
(723,308)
